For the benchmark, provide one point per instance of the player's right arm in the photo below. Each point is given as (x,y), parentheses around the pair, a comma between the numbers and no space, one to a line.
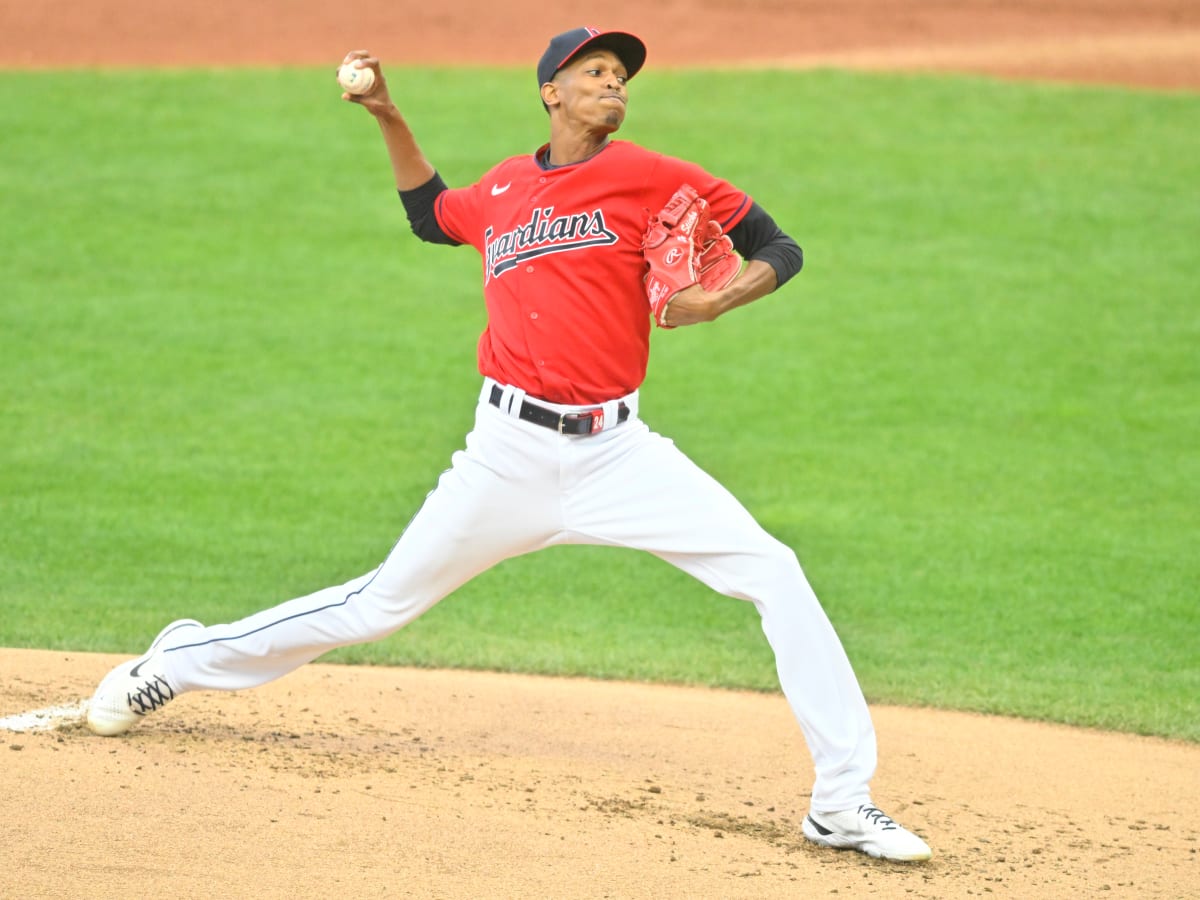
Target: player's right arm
(417,181)
(409,164)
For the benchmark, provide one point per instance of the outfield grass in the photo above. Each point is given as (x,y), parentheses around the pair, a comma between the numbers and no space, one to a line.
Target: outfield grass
(230,374)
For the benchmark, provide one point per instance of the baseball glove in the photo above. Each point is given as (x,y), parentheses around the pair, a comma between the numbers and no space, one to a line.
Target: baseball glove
(683,247)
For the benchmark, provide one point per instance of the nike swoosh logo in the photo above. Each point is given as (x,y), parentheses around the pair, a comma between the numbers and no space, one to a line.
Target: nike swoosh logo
(821,829)
(133,673)
(497,190)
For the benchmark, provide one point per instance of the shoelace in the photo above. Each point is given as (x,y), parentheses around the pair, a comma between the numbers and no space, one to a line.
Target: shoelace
(876,817)
(150,696)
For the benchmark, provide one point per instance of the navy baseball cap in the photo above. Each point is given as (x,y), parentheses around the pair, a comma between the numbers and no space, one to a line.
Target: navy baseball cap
(566,46)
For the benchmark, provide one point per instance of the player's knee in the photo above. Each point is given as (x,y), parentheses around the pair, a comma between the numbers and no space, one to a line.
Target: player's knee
(771,574)
(782,566)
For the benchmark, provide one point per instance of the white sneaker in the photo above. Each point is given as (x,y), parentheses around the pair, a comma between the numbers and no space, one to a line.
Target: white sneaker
(867,830)
(130,691)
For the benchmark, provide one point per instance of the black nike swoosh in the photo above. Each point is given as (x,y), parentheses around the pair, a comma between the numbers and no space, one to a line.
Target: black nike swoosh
(133,673)
(821,828)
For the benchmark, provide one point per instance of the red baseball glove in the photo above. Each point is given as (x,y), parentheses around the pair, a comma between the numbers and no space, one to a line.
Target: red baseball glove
(683,246)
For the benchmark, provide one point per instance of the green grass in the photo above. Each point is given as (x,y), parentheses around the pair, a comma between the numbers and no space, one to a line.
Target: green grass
(229,375)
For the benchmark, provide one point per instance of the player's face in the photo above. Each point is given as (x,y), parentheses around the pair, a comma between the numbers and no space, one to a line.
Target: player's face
(591,90)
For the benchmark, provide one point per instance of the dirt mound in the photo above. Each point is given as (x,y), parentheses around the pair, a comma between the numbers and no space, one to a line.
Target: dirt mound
(340,781)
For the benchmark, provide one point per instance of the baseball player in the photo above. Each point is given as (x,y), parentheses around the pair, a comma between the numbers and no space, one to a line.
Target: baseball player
(572,279)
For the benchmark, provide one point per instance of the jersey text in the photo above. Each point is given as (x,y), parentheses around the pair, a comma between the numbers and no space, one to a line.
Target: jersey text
(544,233)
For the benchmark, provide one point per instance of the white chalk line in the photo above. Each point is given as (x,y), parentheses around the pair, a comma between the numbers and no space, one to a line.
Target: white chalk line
(48,719)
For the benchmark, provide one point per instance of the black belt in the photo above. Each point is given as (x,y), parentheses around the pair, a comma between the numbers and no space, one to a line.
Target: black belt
(587,422)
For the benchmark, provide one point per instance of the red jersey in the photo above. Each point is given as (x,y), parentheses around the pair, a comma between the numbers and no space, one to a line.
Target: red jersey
(568,319)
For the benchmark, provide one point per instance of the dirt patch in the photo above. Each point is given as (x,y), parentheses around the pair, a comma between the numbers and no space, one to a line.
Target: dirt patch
(342,781)
(1148,43)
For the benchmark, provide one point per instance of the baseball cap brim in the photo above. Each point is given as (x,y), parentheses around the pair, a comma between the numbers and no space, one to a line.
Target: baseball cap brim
(568,45)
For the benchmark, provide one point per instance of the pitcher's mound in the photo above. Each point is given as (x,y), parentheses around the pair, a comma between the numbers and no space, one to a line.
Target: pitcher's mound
(340,781)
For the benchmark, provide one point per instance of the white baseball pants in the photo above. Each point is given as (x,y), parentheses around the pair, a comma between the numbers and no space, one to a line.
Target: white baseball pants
(519,487)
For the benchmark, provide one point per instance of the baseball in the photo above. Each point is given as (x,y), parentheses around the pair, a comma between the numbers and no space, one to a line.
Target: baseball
(356,80)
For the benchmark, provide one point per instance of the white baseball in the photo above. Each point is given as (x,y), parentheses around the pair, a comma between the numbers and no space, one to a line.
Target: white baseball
(356,80)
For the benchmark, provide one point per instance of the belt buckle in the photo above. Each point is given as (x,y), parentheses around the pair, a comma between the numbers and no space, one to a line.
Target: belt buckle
(596,415)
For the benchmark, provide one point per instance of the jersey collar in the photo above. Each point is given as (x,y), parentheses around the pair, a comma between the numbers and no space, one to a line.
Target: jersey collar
(542,157)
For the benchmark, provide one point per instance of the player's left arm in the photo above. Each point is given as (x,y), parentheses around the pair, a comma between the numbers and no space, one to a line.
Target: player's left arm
(772,257)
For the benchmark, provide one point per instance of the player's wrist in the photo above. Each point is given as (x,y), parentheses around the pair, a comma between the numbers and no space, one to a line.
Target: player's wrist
(387,114)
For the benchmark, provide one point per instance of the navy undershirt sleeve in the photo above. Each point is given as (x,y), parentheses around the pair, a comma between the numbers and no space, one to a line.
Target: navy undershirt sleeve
(758,237)
(418,203)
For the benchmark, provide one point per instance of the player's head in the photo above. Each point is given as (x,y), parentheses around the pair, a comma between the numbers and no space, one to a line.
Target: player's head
(568,46)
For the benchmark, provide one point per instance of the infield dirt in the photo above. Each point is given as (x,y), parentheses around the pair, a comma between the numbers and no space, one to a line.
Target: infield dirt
(338,781)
